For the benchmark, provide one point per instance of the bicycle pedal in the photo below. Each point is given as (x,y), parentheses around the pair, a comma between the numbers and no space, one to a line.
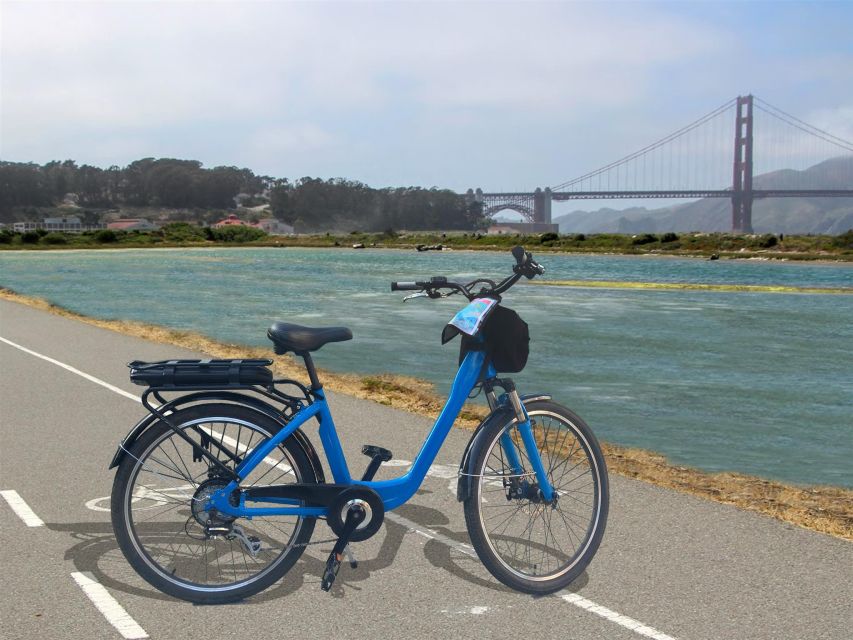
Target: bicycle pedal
(372,451)
(377,456)
(333,565)
(354,517)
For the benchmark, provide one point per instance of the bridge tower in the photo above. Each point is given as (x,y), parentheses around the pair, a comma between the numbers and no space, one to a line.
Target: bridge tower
(742,183)
(542,205)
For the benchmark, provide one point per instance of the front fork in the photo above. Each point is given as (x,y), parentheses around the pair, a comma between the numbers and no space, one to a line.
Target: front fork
(526,432)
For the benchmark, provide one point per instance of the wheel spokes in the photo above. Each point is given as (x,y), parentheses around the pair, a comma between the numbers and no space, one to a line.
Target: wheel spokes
(167,483)
(531,537)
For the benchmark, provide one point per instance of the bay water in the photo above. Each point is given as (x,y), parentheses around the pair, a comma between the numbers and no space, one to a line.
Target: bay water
(760,383)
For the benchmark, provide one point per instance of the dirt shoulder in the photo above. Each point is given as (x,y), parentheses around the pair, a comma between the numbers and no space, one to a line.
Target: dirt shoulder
(824,509)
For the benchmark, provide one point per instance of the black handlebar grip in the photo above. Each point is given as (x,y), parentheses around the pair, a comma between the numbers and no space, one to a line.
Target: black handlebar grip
(519,254)
(405,286)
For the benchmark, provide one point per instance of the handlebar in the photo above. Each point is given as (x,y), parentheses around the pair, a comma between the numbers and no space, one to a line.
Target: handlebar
(525,266)
(407,286)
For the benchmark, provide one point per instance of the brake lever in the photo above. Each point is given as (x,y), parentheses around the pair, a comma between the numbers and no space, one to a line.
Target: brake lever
(419,294)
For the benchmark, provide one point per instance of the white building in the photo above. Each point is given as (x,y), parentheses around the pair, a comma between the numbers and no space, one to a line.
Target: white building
(67,224)
(23,227)
(274,227)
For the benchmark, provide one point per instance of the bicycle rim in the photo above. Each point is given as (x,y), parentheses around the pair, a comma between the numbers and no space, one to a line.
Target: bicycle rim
(533,540)
(162,509)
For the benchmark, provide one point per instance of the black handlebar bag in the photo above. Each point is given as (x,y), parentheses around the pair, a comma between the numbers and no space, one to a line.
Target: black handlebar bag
(506,340)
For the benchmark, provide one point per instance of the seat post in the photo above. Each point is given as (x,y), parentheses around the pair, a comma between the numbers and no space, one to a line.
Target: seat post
(312,372)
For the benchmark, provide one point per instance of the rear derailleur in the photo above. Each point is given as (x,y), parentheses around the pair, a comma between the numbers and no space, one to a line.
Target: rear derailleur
(217,525)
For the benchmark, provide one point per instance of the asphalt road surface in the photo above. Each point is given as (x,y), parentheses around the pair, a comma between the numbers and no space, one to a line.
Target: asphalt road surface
(670,566)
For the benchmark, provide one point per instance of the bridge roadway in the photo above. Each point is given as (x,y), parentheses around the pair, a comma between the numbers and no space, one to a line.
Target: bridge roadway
(624,194)
(671,565)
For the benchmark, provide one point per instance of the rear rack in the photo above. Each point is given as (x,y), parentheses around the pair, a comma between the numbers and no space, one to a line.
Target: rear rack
(181,374)
(215,379)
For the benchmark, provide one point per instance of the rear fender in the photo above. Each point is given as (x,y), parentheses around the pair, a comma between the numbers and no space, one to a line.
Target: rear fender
(503,414)
(237,398)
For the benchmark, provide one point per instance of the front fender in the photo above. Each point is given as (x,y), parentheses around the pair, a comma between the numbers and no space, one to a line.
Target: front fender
(237,398)
(502,414)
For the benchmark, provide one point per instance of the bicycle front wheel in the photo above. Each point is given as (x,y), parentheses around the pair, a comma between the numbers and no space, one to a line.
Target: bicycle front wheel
(158,512)
(525,542)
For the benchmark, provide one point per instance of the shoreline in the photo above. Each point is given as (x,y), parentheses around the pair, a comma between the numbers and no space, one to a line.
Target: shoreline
(824,509)
(454,243)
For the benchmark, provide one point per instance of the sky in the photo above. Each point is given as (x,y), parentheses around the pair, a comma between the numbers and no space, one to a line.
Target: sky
(499,95)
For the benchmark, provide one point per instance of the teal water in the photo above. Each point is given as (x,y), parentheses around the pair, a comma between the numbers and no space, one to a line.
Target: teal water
(760,383)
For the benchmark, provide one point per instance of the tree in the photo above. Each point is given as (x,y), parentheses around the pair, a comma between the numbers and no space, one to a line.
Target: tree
(318,205)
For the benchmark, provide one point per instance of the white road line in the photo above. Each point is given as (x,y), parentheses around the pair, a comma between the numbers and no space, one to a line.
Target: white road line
(21,508)
(629,623)
(68,367)
(109,606)
(571,598)
(467,549)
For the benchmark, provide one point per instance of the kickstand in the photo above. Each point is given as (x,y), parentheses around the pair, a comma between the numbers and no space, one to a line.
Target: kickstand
(350,556)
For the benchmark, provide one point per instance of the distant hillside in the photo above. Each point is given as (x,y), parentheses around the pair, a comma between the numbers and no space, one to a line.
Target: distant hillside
(778,215)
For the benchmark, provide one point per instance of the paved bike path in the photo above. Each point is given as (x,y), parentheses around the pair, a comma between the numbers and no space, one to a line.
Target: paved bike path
(681,566)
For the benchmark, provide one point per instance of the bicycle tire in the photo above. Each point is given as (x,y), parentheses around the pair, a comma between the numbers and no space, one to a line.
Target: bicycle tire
(142,543)
(495,535)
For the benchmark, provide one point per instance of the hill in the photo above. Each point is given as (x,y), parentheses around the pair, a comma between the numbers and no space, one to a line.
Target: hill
(830,216)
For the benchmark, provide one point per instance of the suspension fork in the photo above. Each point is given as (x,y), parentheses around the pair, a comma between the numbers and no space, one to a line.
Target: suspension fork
(525,430)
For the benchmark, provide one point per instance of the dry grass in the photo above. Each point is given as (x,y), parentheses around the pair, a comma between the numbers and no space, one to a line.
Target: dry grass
(827,510)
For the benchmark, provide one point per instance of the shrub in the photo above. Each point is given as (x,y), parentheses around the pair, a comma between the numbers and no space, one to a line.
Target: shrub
(580,237)
(237,233)
(6,236)
(105,236)
(669,237)
(54,238)
(845,240)
(549,237)
(41,232)
(768,241)
(182,232)
(646,238)
(29,237)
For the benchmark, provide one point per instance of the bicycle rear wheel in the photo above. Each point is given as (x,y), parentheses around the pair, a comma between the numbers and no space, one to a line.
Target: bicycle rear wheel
(526,543)
(160,524)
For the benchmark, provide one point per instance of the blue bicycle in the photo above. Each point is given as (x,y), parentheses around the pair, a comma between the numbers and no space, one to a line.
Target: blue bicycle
(218,490)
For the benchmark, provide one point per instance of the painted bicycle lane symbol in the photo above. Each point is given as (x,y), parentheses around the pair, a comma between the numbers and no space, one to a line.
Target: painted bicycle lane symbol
(153,497)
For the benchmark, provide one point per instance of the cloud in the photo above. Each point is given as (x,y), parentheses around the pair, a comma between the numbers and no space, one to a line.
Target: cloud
(121,63)
(293,142)
(436,93)
(837,121)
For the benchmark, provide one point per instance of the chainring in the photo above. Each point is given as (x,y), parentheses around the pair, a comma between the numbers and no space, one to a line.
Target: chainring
(357,495)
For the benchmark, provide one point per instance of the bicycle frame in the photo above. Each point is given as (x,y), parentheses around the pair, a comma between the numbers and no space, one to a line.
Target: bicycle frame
(393,492)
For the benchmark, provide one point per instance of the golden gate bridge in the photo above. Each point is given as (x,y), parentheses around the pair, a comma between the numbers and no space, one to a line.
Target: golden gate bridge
(697,161)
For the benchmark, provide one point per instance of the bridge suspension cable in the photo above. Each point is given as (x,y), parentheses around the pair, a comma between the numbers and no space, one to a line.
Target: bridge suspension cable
(697,157)
(727,153)
(787,118)
(647,149)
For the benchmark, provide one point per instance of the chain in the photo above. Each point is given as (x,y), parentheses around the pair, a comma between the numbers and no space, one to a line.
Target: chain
(308,544)
(497,475)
